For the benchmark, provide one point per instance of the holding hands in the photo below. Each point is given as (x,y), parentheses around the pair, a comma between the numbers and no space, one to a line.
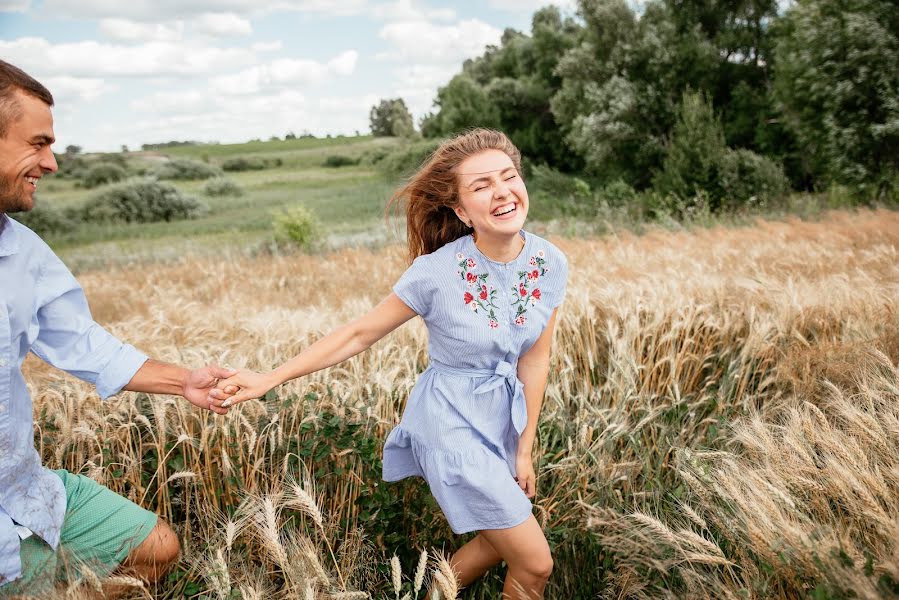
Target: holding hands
(242,385)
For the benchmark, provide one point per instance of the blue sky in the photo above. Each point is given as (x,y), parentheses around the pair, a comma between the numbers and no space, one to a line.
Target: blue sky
(137,71)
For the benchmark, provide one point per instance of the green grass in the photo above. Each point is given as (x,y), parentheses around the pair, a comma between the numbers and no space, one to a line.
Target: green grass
(349,201)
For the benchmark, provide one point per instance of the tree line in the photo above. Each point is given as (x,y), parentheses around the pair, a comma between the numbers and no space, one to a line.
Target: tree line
(726,98)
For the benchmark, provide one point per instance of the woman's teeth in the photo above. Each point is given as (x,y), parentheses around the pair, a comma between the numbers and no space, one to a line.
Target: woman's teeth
(504,210)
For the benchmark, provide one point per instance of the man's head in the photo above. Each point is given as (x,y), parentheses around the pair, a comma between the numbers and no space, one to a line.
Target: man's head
(26,133)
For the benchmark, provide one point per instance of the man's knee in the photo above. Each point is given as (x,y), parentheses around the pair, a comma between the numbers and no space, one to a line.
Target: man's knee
(156,554)
(169,547)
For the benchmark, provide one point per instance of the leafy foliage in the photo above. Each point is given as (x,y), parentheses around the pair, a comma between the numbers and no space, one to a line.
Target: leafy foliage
(103,173)
(837,81)
(140,201)
(46,220)
(339,160)
(391,118)
(182,169)
(297,226)
(222,186)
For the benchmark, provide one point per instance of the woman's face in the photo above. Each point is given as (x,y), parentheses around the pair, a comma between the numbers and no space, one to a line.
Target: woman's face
(492,195)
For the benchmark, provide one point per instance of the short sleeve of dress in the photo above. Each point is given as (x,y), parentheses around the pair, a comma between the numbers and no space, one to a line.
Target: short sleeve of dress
(556,278)
(416,286)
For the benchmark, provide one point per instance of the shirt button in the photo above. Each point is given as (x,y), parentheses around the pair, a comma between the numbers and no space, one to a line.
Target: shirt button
(2,408)
(2,362)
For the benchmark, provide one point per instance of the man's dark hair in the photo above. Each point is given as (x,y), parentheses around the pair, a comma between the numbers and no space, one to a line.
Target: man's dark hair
(13,79)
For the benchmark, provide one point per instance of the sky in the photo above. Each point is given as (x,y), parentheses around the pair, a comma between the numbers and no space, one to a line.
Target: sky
(148,71)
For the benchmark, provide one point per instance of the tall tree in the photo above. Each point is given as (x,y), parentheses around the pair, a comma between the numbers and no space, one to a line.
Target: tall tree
(509,87)
(391,118)
(837,79)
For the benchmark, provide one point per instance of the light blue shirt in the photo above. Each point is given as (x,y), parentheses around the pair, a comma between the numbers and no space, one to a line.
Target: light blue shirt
(42,310)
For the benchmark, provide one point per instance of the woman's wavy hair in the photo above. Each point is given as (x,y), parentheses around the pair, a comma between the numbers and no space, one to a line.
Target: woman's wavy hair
(433,192)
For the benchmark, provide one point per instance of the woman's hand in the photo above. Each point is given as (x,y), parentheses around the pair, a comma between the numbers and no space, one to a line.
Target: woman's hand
(525,475)
(245,385)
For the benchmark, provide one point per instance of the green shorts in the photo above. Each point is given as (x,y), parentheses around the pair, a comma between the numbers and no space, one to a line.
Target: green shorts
(99,531)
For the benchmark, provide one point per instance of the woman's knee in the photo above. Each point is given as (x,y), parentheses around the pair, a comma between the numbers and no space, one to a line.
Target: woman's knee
(536,568)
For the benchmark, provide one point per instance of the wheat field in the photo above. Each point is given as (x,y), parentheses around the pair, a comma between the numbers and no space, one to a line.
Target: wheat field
(721,421)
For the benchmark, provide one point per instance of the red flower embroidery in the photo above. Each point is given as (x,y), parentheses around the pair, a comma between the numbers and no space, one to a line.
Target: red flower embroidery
(471,263)
(522,290)
(534,274)
(493,323)
(520,320)
(483,293)
(536,294)
(471,277)
(468,297)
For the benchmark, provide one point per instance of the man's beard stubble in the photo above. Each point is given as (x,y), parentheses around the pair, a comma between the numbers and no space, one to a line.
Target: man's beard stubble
(12,200)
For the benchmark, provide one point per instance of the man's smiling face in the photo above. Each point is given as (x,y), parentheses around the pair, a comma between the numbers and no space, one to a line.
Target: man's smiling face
(25,154)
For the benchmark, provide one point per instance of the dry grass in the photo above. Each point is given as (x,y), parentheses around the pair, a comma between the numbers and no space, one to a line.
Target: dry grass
(722,413)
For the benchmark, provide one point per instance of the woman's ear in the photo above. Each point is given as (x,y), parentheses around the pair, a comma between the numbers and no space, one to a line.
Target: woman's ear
(460,212)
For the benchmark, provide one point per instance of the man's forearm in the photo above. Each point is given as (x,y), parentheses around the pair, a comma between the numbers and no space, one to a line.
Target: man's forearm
(155,377)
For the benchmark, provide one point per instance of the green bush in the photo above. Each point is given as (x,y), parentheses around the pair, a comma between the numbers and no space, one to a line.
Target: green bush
(140,201)
(554,194)
(241,163)
(406,159)
(182,169)
(338,160)
(103,173)
(297,226)
(45,220)
(746,177)
(617,193)
(222,186)
(373,156)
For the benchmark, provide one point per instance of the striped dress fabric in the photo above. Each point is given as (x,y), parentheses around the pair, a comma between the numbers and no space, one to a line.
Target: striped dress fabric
(462,421)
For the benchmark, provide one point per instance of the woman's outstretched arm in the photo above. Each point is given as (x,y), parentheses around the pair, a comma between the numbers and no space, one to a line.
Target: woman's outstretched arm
(334,348)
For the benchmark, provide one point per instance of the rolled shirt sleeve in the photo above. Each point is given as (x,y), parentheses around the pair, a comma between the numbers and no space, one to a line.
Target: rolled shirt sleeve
(69,339)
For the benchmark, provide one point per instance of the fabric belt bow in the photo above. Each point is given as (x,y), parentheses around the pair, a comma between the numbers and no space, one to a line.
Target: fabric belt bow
(503,374)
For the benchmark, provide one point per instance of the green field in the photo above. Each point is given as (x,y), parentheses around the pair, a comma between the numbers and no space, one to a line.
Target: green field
(349,201)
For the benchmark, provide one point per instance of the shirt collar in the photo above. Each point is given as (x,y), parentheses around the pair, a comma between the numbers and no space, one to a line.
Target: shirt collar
(9,237)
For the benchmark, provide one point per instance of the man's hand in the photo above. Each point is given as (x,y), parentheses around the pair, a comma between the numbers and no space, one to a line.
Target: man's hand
(242,386)
(200,382)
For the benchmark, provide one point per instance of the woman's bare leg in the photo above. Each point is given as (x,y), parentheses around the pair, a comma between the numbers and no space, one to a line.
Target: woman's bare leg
(526,552)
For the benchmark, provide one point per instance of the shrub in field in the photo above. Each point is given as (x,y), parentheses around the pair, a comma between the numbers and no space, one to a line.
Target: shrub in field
(182,169)
(745,176)
(339,160)
(140,201)
(407,158)
(242,163)
(297,226)
(102,174)
(373,156)
(46,220)
(222,186)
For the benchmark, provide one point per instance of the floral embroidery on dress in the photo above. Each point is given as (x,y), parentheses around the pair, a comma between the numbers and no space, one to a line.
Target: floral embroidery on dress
(481,296)
(526,292)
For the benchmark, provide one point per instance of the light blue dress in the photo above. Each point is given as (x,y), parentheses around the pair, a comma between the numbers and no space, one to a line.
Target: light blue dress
(462,421)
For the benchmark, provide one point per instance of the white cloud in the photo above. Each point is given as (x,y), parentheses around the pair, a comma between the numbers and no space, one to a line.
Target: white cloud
(267,46)
(95,59)
(425,43)
(14,5)
(409,10)
(222,24)
(284,72)
(67,90)
(126,30)
(149,10)
(531,5)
